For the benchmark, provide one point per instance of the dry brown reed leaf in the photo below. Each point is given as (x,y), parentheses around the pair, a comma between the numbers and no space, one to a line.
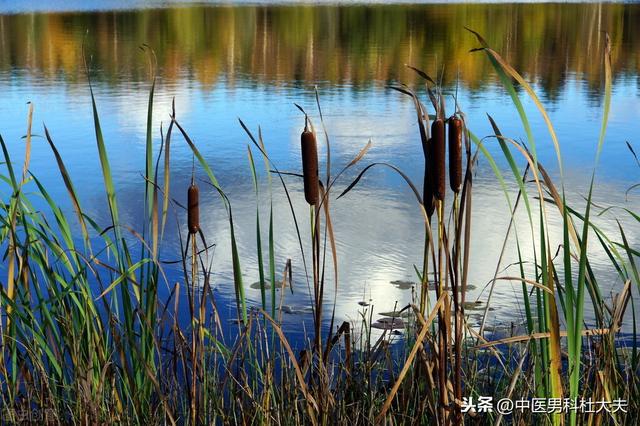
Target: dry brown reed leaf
(538,336)
(312,406)
(416,346)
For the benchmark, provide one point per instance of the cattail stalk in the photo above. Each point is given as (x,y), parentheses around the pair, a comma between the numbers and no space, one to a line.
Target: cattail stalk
(455,182)
(443,316)
(429,206)
(455,153)
(193,224)
(438,175)
(309,151)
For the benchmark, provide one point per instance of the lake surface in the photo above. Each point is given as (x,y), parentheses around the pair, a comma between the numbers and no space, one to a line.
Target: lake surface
(252,61)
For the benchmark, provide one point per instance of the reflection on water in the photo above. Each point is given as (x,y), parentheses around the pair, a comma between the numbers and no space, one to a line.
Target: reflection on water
(254,62)
(354,45)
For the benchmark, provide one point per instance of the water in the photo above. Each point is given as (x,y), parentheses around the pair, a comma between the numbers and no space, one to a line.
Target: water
(222,62)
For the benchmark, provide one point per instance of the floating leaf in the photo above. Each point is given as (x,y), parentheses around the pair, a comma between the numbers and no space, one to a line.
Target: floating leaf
(267,284)
(389,324)
(395,314)
(293,310)
(403,285)
(473,306)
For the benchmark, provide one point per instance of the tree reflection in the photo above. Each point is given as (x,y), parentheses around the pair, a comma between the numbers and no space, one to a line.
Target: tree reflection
(357,45)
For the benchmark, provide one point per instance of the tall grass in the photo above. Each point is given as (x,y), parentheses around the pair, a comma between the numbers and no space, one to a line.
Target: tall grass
(87,338)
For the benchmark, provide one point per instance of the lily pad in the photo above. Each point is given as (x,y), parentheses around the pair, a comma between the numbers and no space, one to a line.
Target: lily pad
(363,303)
(394,321)
(403,285)
(396,314)
(267,284)
(296,310)
(287,309)
(293,310)
(389,324)
(473,306)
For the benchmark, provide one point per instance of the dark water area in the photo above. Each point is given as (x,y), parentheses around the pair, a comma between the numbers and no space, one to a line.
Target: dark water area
(221,62)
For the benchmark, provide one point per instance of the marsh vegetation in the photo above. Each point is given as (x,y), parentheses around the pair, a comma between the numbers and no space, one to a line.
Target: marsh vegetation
(88,336)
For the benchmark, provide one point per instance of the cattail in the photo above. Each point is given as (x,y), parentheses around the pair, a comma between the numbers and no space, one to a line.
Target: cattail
(455,153)
(309,165)
(427,190)
(437,162)
(193,208)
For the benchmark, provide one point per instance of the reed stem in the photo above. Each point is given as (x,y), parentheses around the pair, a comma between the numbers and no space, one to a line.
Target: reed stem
(442,335)
(194,332)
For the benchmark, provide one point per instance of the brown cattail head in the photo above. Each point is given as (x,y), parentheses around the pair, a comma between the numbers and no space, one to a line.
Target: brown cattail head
(193,208)
(309,165)
(437,163)
(427,189)
(455,153)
